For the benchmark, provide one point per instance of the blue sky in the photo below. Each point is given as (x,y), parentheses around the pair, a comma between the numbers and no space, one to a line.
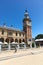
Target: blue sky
(12,13)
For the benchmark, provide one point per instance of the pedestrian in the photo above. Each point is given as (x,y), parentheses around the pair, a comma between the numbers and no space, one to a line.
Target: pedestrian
(15,49)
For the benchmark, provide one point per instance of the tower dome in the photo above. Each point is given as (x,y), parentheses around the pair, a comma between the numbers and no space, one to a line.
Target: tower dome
(26,14)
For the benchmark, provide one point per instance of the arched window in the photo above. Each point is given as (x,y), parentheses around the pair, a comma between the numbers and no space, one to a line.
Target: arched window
(7,40)
(23,40)
(20,34)
(23,34)
(19,40)
(16,34)
(16,40)
(2,40)
(2,32)
(11,40)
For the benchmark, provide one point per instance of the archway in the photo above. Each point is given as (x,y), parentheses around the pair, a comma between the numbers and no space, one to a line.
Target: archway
(7,40)
(16,40)
(19,40)
(11,40)
(2,40)
(23,40)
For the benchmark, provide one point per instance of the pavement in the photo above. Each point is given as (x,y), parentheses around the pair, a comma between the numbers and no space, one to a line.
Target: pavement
(5,55)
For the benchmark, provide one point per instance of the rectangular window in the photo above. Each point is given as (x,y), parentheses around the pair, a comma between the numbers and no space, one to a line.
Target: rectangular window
(20,34)
(2,32)
(16,34)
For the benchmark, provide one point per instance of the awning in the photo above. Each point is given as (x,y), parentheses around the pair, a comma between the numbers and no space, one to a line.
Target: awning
(14,43)
(1,42)
(22,43)
(5,43)
(39,40)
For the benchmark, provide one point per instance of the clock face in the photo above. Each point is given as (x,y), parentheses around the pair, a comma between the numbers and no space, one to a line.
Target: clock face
(28,23)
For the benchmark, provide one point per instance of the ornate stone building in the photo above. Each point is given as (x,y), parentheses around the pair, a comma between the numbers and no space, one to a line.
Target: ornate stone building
(10,35)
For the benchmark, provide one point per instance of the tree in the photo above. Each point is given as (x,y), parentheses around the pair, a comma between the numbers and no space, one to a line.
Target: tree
(39,36)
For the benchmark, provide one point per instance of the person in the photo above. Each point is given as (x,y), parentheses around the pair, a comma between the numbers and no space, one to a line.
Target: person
(15,49)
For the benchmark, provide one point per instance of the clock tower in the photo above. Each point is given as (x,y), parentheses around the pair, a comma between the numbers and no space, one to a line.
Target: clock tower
(27,28)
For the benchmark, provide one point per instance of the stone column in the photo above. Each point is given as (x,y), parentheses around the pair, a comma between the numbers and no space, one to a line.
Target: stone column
(4,40)
(40,44)
(0,47)
(34,45)
(18,40)
(9,46)
(18,46)
(30,45)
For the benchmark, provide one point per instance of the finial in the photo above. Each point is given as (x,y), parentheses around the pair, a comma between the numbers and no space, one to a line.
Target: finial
(26,13)
(26,10)
(4,24)
(11,25)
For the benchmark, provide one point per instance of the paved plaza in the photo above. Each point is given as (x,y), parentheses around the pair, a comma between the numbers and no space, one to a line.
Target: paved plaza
(32,56)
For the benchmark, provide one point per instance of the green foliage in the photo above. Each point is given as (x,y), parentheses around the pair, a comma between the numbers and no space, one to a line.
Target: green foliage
(39,36)
(37,45)
(32,44)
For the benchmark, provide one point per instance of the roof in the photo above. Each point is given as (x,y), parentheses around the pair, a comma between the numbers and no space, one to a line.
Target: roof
(11,29)
(39,40)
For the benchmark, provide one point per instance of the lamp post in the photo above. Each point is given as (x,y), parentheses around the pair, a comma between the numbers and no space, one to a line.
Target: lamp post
(0,46)
(18,46)
(34,44)
(9,46)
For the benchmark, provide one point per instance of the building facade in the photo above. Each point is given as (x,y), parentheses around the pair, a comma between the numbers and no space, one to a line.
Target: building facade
(10,35)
